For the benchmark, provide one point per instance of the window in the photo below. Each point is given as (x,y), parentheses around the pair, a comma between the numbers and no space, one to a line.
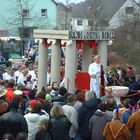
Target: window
(90,22)
(43,12)
(105,23)
(79,22)
(129,10)
(25,13)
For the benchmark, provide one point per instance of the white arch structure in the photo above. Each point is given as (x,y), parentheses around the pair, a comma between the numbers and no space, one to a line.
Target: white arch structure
(57,38)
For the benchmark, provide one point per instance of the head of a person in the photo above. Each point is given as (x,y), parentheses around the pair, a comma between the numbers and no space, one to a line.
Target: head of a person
(89,95)
(102,107)
(118,66)
(111,103)
(22,67)
(41,95)
(21,136)
(126,103)
(78,91)
(13,105)
(108,92)
(11,83)
(71,99)
(129,69)
(80,97)
(8,136)
(35,106)
(48,98)
(97,59)
(55,85)
(44,125)
(25,72)
(20,86)
(56,111)
(62,91)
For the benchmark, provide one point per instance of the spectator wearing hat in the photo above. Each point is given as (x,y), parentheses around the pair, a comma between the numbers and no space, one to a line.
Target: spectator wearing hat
(13,121)
(31,96)
(3,103)
(72,115)
(18,98)
(48,100)
(34,118)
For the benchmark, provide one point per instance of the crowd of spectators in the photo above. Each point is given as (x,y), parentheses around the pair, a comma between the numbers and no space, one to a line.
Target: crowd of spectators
(55,114)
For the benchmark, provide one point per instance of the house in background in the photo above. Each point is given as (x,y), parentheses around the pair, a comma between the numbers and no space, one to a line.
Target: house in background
(63,16)
(41,14)
(20,18)
(126,11)
(101,14)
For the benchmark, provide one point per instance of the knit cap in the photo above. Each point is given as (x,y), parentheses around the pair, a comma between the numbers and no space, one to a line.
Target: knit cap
(33,103)
(48,97)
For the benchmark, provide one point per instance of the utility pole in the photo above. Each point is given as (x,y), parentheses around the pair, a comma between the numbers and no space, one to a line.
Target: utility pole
(22,26)
(66,18)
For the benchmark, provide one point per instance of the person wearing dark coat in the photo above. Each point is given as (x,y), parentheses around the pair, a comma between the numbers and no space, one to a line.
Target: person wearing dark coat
(59,124)
(60,99)
(85,113)
(13,121)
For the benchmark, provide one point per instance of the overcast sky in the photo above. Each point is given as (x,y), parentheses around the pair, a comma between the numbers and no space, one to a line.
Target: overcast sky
(70,1)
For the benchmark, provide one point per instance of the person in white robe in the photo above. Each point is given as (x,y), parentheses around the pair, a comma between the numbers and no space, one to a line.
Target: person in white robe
(95,74)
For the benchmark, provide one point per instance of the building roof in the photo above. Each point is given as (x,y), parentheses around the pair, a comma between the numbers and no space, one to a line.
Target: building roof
(107,7)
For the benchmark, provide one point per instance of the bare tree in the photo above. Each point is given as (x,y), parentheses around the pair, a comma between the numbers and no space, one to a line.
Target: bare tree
(95,14)
(127,41)
(64,15)
(19,17)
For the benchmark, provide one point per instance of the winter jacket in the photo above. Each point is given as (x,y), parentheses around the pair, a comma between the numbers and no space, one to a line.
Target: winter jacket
(134,124)
(116,131)
(59,127)
(84,114)
(33,121)
(14,122)
(72,115)
(97,124)
(43,136)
